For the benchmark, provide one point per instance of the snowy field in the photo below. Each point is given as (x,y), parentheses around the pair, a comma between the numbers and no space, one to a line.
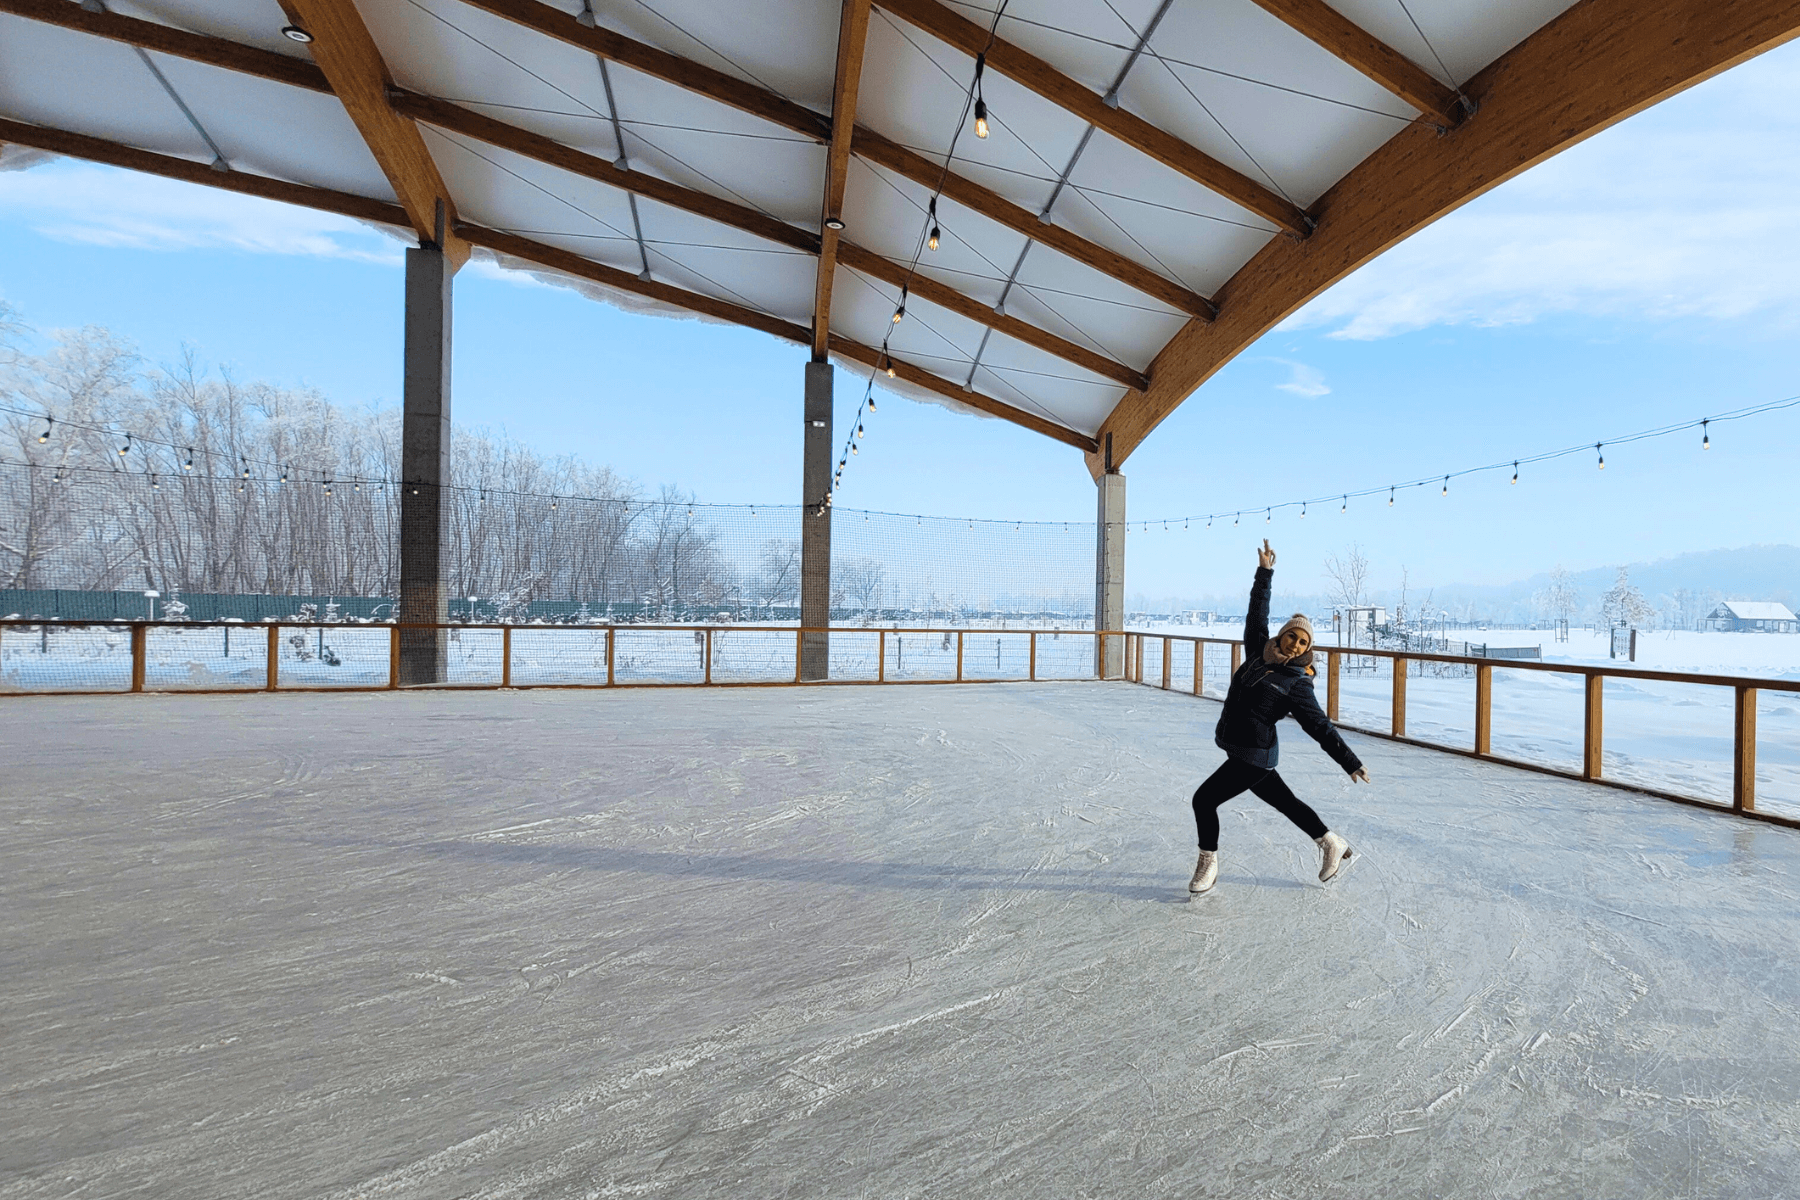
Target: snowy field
(98,658)
(1673,736)
(858,942)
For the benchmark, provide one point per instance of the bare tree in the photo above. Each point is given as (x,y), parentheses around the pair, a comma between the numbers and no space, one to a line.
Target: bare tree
(863,581)
(1349,576)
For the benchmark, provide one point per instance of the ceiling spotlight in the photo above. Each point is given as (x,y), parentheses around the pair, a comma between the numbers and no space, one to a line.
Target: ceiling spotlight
(835,224)
(294,33)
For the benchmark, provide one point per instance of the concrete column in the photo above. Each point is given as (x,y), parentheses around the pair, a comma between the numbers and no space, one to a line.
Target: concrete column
(1109,575)
(424,466)
(815,525)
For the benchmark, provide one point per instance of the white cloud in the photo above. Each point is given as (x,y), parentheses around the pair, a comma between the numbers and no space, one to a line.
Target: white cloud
(1682,212)
(102,206)
(1302,379)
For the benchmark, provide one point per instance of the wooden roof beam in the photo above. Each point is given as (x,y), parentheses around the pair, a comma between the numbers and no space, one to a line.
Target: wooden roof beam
(573,264)
(1596,64)
(1027,69)
(1351,44)
(343,48)
(853,35)
(865,143)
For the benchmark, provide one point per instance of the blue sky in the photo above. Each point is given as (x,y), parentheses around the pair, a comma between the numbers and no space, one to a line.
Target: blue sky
(1647,276)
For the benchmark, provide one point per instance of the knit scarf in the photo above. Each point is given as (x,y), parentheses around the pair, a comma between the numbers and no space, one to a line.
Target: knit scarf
(1272,655)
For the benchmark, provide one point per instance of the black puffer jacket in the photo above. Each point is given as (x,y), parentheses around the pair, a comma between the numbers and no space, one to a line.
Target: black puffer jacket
(1261,694)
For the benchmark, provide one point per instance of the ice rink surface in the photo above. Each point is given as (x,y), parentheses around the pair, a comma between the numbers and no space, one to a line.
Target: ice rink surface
(883,942)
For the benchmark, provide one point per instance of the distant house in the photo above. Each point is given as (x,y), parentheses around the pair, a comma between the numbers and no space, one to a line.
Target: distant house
(1753,616)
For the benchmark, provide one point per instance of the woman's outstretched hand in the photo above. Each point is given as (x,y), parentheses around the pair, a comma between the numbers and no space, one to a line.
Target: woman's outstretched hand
(1360,775)
(1265,558)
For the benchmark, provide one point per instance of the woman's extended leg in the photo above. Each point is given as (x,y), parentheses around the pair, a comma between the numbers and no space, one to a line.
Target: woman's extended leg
(1231,779)
(1273,790)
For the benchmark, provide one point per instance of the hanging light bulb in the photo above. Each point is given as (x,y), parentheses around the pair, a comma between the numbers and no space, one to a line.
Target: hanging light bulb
(154,485)
(1346,506)
(328,487)
(240,487)
(859,429)
(1303,510)
(126,448)
(900,312)
(1234,517)
(981,121)
(553,504)
(1705,437)
(1209,522)
(415,489)
(284,474)
(1601,453)
(1267,515)
(45,436)
(58,478)
(890,368)
(1515,470)
(871,403)
(1390,497)
(853,448)
(931,210)
(356,486)
(189,464)
(1446,485)
(246,465)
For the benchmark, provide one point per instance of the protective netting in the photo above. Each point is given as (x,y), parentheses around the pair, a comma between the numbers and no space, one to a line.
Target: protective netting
(89,544)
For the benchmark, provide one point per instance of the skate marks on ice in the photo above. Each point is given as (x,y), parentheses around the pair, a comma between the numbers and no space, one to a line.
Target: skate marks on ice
(801,944)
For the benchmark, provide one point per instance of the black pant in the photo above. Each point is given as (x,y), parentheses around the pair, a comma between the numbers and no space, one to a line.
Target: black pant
(1235,778)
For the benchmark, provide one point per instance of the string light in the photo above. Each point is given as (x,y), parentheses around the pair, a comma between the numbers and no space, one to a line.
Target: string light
(58,478)
(246,463)
(859,429)
(1266,515)
(1303,510)
(328,487)
(1601,453)
(981,111)
(154,485)
(900,312)
(1446,485)
(871,403)
(284,474)
(1705,436)
(1515,471)
(126,448)
(356,486)
(931,208)
(45,436)
(890,367)
(1390,497)
(189,464)
(1346,507)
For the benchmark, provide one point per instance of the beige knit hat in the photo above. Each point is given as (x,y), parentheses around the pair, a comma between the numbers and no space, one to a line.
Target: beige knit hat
(1298,621)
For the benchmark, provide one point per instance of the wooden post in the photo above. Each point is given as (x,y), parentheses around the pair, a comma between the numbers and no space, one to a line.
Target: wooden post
(611,631)
(1594,726)
(139,635)
(1399,718)
(959,640)
(1237,657)
(1139,672)
(799,649)
(1484,708)
(1167,643)
(274,663)
(1743,757)
(881,656)
(1334,671)
(393,657)
(506,656)
(707,654)
(1034,656)
(1199,664)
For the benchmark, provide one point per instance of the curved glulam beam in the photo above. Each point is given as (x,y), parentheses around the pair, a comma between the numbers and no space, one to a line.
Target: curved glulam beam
(1023,67)
(1356,47)
(853,36)
(1595,65)
(344,49)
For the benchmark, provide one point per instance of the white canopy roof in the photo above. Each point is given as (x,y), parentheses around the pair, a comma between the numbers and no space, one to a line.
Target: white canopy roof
(1163,181)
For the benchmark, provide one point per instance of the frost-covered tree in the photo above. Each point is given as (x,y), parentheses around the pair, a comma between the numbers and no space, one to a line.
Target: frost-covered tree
(1623,604)
(1349,576)
(1559,600)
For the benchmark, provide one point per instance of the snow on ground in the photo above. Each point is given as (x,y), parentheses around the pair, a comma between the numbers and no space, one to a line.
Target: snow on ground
(1672,736)
(858,941)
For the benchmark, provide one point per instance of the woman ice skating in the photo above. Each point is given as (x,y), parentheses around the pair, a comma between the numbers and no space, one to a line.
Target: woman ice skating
(1274,682)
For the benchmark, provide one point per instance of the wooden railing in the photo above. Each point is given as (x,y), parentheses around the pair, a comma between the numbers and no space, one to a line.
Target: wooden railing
(1743,776)
(504,677)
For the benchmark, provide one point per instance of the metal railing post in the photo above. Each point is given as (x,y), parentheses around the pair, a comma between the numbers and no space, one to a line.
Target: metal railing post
(1399,717)
(1333,673)
(881,656)
(1199,663)
(393,657)
(1484,709)
(959,641)
(139,635)
(274,664)
(1593,728)
(1167,643)
(506,656)
(1743,757)
(1033,667)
